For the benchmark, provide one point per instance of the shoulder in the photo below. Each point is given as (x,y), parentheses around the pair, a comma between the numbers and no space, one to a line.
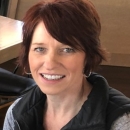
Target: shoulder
(9,119)
(122,123)
(29,101)
(118,105)
(118,100)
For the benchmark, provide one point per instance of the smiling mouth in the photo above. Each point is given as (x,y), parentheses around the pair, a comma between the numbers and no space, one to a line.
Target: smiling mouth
(52,77)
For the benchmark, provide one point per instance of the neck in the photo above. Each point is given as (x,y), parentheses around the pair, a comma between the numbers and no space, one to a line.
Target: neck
(68,103)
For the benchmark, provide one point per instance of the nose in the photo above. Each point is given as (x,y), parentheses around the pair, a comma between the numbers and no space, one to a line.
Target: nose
(51,61)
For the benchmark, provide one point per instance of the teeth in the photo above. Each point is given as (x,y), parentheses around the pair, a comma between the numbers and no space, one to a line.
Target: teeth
(52,77)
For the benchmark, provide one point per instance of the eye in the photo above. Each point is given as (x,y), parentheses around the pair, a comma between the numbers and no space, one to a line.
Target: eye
(39,49)
(68,50)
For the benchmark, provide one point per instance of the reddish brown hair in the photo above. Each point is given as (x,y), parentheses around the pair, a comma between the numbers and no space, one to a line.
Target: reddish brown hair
(72,22)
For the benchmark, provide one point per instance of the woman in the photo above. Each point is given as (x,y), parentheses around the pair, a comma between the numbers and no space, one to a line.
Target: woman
(61,47)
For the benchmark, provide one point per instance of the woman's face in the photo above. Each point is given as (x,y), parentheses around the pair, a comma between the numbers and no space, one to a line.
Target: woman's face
(56,68)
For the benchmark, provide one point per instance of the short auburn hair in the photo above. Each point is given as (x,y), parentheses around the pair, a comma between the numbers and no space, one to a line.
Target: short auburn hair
(72,22)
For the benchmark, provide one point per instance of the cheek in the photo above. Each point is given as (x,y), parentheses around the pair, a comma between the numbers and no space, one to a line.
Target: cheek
(30,59)
(76,66)
(33,62)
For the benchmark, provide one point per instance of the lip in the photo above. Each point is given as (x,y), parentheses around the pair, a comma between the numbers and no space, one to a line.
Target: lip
(44,80)
(51,74)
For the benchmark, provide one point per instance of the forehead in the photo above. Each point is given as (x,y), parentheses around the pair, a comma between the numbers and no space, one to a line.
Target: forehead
(41,34)
(40,30)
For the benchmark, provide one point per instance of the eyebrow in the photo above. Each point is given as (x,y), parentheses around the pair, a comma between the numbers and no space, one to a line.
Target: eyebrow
(36,43)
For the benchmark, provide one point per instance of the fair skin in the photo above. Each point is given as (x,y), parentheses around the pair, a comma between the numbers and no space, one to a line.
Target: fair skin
(58,70)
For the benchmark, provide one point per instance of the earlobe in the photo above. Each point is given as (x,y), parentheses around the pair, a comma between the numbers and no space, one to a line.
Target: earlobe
(87,75)
(88,72)
(28,73)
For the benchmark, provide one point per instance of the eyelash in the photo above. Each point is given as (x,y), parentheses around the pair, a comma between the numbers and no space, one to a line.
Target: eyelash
(39,49)
(63,50)
(68,50)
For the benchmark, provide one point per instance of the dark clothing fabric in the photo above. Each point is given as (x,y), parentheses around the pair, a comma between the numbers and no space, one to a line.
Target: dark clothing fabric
(103,107)
(118,105)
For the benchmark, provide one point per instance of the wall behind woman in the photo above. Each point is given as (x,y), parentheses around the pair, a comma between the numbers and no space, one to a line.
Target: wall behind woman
(23,6)
(115,19)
